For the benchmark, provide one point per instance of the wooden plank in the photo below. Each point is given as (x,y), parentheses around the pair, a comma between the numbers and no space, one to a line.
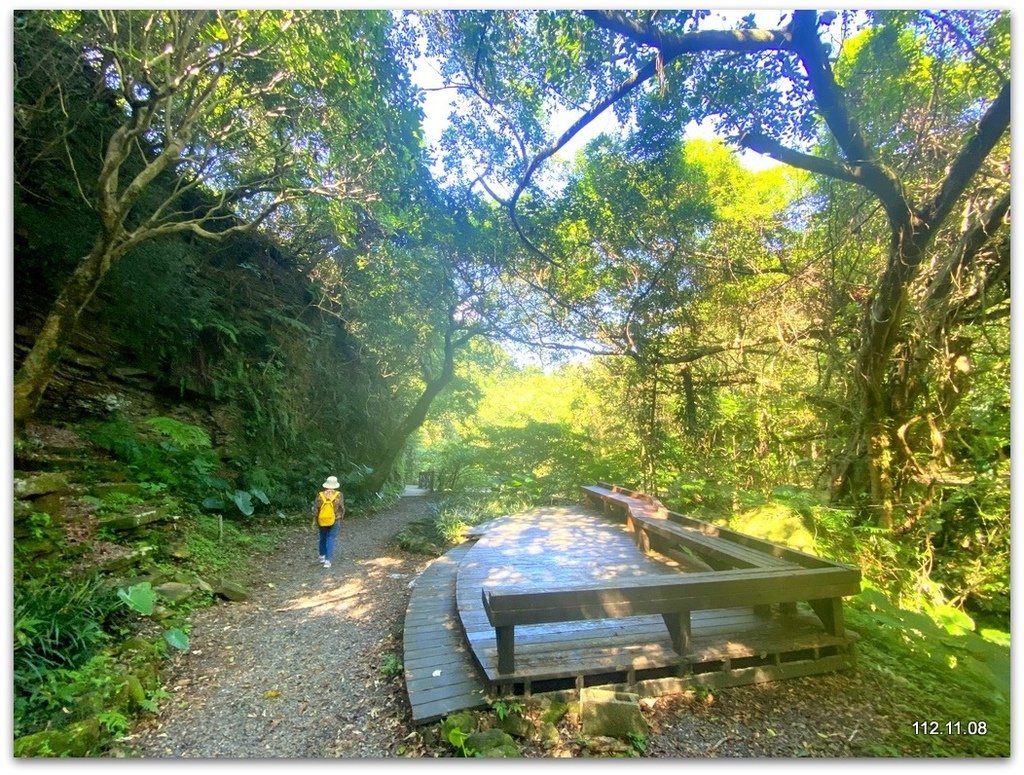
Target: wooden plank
(709,548)
(433,641)
(639,502)
(683,592)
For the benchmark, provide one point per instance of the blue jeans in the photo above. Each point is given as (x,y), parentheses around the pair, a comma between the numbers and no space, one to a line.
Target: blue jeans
(328,536)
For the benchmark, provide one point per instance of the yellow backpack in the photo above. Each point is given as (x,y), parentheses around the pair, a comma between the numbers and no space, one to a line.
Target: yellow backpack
(325,516)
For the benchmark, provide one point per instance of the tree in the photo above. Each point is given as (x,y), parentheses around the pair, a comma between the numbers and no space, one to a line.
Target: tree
(213,123)
(776,92)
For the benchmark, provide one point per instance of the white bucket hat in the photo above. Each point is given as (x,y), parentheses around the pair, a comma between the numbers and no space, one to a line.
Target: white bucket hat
(331,483)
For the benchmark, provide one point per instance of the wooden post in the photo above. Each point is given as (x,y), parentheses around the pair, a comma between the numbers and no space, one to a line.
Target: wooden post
(643,541)
(678,624)
(830,611)
(506,648)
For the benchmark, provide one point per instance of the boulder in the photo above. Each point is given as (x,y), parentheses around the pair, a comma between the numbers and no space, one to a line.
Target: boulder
(555,712)
(175,591)
(515,725)
(230,590)
(548,735)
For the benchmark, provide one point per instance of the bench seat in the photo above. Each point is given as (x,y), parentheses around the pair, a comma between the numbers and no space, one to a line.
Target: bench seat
(673,597)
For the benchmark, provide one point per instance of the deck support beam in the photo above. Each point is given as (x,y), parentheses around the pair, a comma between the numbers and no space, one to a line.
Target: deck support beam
(678,624)
(506,638)
(830,611)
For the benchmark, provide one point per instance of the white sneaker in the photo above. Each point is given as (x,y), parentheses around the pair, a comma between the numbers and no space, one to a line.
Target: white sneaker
(327,563)
(321,559)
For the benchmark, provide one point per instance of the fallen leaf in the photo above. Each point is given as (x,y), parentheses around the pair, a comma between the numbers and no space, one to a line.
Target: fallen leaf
(271,694)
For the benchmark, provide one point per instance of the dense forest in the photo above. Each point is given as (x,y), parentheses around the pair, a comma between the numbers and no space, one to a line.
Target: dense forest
(241,264)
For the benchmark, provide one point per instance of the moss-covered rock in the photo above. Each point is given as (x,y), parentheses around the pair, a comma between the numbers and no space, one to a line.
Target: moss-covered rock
(75,740)
(175,591)
(548,735)
(516,725)
(492,743)
(554,713)
(464,721)
(34,485)
(132,694)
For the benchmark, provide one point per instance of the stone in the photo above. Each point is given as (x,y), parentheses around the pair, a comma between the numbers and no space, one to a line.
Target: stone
(134,521)
(515,725)
(230,590)
(39,484)
(75,740)
(51,504)
(555,712)
(179,551)
(493,744)
(605,713)
(608,746)
(549,735)
(175,591)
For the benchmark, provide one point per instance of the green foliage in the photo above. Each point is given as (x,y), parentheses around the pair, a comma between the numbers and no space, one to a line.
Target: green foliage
(180,457)
(139,597)
(177,638)
(939,668)
(181,434)
(504,709)
(456,729)
(638,741)
(208,555)
(57,624)
(58,628)
(391,666)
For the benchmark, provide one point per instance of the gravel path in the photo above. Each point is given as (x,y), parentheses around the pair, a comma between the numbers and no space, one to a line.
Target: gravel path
(295,672)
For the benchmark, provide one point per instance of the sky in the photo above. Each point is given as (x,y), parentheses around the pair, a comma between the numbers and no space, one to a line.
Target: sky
(437,104)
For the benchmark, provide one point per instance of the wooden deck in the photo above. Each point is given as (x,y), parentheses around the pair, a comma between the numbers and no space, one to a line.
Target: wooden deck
(448,629)
(440,674)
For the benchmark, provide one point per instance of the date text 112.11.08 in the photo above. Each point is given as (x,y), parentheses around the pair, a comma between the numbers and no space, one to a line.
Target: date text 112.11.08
(950,727)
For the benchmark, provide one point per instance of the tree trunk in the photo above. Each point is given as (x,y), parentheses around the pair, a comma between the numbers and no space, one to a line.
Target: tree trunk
(389,454)
(392,448)
(39,366)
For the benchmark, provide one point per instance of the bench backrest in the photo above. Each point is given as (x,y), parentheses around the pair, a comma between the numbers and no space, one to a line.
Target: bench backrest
(667,594)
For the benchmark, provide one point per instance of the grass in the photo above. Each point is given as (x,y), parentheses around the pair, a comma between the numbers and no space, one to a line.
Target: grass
(948,686)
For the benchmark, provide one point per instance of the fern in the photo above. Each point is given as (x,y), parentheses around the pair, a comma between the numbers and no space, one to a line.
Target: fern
(182,434)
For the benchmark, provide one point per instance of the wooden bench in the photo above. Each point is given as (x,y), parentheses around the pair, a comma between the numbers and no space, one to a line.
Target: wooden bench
(718,547)
(673,597)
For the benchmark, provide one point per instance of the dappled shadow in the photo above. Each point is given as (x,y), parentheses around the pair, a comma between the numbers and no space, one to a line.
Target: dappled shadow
(350,598)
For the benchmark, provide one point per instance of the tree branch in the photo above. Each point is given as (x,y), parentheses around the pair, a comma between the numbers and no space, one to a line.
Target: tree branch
(991,127)
(759,143)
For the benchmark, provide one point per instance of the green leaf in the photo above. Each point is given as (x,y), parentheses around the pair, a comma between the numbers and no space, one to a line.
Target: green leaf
(243,500)
(176,638)
(139,597)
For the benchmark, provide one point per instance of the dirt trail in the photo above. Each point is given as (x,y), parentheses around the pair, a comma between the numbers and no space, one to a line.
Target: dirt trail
(295,672)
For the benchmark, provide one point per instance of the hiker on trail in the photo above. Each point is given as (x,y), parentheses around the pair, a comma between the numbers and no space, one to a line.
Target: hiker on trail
(328,513)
